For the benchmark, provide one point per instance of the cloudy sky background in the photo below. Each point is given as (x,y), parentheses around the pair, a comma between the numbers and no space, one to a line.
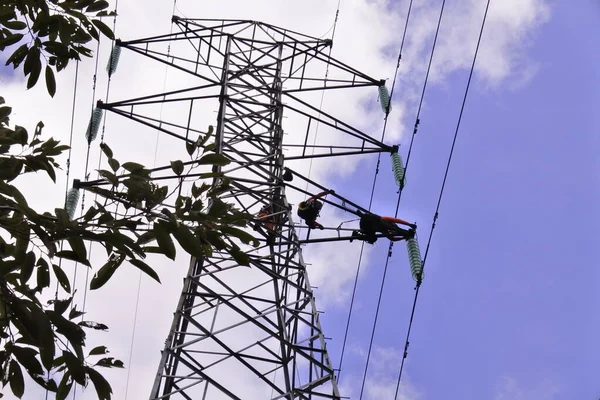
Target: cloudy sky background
(509,306)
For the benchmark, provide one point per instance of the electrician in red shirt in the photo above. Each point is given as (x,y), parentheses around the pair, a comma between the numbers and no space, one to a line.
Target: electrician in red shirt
(371,225)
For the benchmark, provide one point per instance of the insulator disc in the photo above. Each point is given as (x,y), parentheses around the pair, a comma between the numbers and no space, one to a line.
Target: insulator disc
(94,125)
(72,201)
(384,99)
(113,61)
(414,258)
(398,169)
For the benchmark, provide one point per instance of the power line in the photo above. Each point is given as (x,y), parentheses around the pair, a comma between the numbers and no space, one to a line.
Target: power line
(139,285)
(371,203)
(337,13)
(442,193)
(417,119)
(68,172)
(87,164)
(90,248)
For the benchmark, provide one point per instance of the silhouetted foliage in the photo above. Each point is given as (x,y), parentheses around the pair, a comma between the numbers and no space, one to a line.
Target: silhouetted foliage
(48,341)
(49,34)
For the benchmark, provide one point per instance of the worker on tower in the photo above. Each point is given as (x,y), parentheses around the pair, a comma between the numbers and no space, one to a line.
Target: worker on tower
(267,220)
(309,209)
(371,225)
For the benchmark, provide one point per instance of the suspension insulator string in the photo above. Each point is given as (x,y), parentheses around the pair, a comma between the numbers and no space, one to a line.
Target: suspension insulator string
(398,168)
(384,98)
(113,61)
(72,200)
(414,258)
(94,125)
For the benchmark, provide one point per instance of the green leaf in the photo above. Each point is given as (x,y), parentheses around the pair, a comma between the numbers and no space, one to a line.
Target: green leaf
(73,256)
(75,366)
(21,133)
(203,139)
(218,208)
(10,168)
(177,167)
(103,388)
(32,66)
(153,250)
(214,239)
(133,167)
(78,246)
(50,81)
(145,268)
(71,331)
(35,328)
(93,31)
(17,384)
(163,238)
(16,25)
(97,6)
(5,112)
(106,150)
(62,278)
(96,351)
(10,40)
(112,178)
(110,362)
(210,147)
(104,29)
(60,306)
(18,56)
(124,243)
(188,241)
(75,314)
(93,325)
(114,164)
(64,388)
(43,276)
(38,129)
(106,14)
(197,192)
(190,147)
(45,336)
(27,267)
(145,237)
(239,256)
(27,357)
(23,239)
(214,159)
(105,273)
(244,236)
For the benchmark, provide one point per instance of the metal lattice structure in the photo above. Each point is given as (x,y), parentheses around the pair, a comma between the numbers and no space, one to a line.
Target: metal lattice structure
(250,332)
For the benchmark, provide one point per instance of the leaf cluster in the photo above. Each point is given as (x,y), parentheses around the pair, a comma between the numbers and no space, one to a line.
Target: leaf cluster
(132,216)
(48,34)
(42,340)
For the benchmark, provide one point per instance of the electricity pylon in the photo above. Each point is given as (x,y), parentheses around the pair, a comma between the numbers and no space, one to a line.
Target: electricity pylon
(250,332)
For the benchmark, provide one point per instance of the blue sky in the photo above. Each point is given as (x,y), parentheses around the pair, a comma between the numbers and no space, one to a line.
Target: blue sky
(510,299)
(508,309)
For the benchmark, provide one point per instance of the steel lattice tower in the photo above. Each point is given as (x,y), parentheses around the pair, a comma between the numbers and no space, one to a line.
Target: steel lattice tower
(255,327)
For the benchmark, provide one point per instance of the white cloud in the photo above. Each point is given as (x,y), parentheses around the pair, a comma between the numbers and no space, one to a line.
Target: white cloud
(382,377)
(510,389)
